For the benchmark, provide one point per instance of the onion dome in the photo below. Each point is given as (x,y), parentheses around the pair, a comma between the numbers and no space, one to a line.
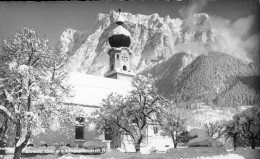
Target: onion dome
(119,37)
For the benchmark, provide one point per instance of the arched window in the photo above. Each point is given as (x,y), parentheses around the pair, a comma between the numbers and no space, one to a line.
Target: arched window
(117,56)
(124,68)
(79,128)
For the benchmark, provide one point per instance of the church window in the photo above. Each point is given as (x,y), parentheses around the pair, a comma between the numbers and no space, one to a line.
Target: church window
(124,68)
(108,133)
(117,57)
(155,130)
(79,128)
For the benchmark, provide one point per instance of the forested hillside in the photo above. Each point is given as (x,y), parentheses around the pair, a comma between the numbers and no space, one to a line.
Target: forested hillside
(215,78)
(165,72)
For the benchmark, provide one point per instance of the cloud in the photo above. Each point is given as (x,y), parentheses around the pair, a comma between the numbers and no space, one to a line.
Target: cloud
(195,48)
(194,7)
(251,46)
(234,37)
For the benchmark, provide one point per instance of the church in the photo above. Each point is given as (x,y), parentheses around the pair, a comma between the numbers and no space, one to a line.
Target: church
(89,90)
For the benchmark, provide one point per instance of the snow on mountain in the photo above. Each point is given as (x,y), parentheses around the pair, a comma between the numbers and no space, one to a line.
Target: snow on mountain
(153,39)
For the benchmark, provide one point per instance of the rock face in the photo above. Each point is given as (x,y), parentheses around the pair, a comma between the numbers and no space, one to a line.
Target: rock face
(153,39)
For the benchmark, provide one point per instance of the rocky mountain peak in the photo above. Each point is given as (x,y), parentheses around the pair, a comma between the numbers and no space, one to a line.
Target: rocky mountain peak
(153,39)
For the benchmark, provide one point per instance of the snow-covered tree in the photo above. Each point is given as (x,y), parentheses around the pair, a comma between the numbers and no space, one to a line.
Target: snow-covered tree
(173,124)
(6,129)
(214,129)
(246,125)
(32,85)
(231,130)
(132,113)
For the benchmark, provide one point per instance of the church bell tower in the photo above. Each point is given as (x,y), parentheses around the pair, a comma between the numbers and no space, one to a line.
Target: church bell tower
(119,54)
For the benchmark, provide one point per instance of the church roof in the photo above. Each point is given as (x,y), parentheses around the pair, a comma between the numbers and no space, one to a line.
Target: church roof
(119,30)
(89,90)
(120,19)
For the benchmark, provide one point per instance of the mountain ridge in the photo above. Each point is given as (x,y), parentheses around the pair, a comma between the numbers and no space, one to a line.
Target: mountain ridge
(215,78)
(153,39)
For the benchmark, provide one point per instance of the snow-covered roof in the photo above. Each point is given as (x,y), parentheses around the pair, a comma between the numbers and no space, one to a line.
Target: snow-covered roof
(90,89)
(119,30)
(120,18)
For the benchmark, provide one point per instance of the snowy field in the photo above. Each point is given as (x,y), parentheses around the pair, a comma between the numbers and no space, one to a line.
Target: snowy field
(240,153)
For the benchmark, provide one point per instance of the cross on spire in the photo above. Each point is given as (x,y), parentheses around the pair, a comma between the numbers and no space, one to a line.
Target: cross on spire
(119,19)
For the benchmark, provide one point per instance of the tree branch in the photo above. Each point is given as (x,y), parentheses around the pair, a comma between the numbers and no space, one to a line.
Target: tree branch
(248,128)
(30,54)
(29,96)
(124,129)
(149,113)
(256,136)
(144,101)
(144,123)
(244,133)
(53,73)
(8,113)
(35,61)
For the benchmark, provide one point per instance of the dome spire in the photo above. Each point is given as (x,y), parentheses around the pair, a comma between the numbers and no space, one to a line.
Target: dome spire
(119,37)
(120,19)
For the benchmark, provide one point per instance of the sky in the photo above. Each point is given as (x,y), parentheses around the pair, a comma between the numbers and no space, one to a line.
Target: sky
(52,18)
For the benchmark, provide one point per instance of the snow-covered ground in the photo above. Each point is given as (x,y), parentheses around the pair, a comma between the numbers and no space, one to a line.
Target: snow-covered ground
(228,156)
(240,153)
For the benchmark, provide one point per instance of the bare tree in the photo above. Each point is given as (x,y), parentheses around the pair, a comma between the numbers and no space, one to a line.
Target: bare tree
(214,129)
(173,124)
(133,113)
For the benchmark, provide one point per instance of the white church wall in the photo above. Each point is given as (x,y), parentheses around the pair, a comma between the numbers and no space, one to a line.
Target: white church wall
(66,135)
(88,91)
